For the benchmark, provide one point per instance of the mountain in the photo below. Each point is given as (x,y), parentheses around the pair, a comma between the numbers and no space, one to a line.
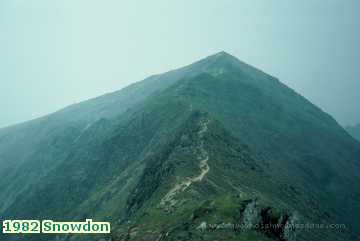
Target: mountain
(354,131)
(217,150)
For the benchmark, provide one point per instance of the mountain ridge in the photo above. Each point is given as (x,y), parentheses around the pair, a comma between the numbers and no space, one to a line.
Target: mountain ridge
(354,131)
(118,158)
(153,78)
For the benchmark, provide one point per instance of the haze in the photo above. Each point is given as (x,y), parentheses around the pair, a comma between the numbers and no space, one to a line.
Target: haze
(56,53)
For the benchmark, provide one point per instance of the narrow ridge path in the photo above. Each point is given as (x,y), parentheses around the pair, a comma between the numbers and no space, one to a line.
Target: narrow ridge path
(169,198)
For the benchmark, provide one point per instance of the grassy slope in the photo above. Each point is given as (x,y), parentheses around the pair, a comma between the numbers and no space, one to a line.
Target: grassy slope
(317,147)
(96,175)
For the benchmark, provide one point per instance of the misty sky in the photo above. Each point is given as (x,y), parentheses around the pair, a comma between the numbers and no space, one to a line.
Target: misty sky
(59,52)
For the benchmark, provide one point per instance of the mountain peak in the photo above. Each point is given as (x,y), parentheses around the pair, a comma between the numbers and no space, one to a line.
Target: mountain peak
(222,55)
(218,63)
(200,143)
(223,62)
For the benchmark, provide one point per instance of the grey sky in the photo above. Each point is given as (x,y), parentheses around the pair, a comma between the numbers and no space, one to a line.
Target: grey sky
(56,53)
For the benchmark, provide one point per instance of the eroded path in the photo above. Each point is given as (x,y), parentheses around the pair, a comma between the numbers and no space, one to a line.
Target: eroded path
(203,156)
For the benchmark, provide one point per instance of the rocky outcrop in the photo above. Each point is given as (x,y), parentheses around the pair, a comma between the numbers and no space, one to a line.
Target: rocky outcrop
(250,217)
(276,224)
(289,233)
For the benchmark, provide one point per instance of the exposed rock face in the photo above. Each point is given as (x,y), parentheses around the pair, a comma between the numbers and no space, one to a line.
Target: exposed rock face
(117,157)
(251,215)
(202,226)
(276,224)
(280,225)
(289,232)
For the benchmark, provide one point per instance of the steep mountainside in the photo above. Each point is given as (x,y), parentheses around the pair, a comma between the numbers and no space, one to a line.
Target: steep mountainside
(182,155)
(354,131)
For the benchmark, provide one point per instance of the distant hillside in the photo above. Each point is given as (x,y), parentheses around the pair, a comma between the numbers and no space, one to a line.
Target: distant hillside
(180,155)
(354,131)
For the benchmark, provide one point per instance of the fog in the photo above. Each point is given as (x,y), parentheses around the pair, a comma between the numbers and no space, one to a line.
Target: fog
(56,53)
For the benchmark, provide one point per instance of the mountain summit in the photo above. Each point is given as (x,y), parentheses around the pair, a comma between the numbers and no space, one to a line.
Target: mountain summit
(216,150)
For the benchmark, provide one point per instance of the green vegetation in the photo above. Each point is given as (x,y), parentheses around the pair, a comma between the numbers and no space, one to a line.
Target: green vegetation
(215,142)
